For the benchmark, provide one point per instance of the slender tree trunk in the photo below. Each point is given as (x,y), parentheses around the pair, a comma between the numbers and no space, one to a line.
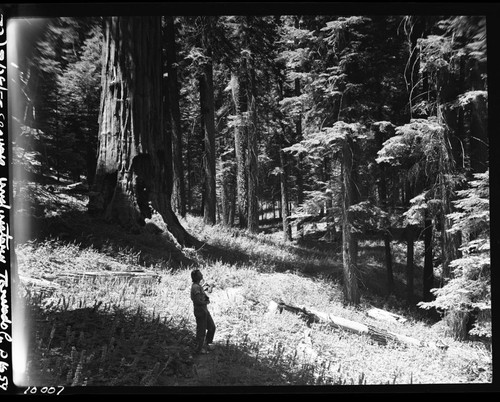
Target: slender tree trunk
(409,266)
(388,262)
(428,275)
(134,165)
(465,136)
(208,123)
(189,202)
(384,203)
(298,138)
(285,213)
(208,127)
(178,188)
(240,145)
(415,29)
(227,187)
(299,176)
(252,159)
(58,141)
(463,123)
(448,242)
(351,288)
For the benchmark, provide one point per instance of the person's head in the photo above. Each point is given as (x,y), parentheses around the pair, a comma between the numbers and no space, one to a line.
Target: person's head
(196,275)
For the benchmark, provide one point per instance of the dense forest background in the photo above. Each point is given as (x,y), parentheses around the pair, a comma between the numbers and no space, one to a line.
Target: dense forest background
(366,127)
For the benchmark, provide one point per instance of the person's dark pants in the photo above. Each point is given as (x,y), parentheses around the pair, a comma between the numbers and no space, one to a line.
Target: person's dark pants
(205,326)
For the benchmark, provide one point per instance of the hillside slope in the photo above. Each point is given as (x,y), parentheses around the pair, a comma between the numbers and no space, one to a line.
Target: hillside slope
(113,330)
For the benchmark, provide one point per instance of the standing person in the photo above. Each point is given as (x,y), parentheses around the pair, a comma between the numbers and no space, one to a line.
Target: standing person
(205,326)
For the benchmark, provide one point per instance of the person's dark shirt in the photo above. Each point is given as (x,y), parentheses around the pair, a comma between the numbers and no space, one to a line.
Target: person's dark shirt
(198,295)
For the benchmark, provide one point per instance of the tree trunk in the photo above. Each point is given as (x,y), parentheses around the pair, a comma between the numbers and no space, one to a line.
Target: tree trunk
(351,288)
(409,266)
(252,149)
(240,145)
(388,263)
(189,169)
(384,203)
(134,165)
(91,162)
(228,191)
(208,125)
(415,29)
(300,180)
(285,213)
(428,275)
(465,134)
(178,188)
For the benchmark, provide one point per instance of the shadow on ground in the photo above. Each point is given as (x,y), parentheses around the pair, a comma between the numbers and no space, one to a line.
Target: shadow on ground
(109,348)
(78,227)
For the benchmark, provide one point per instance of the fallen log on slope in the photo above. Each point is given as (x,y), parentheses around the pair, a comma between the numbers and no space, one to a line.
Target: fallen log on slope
(379,335)
(384,315)
(39,283)
(125,276)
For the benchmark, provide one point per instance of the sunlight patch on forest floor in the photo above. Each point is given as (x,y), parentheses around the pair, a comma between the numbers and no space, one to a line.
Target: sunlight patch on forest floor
(109,331)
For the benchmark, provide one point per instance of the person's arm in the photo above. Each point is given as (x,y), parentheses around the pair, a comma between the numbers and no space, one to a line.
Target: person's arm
(199,296)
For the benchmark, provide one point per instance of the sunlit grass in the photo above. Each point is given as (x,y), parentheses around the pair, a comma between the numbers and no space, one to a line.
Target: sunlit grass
(119,332)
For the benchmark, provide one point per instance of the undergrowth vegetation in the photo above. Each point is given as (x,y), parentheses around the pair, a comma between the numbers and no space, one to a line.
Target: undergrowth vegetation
(114,330)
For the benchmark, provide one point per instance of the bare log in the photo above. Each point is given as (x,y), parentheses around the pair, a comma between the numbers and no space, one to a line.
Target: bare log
(41,283)
(125,276)
(384,315)
(381,336)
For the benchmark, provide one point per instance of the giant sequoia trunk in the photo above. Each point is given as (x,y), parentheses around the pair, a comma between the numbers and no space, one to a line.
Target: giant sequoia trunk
(178,186)
(134,168)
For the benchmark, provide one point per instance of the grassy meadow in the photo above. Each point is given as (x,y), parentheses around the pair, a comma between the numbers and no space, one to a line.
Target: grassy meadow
(91,330)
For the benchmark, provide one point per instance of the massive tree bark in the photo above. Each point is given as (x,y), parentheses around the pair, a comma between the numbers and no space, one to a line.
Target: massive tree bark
(178,187)
(134,168)
(208,128)
(351,288)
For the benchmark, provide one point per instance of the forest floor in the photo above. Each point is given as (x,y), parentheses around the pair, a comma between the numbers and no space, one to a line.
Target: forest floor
(104,308)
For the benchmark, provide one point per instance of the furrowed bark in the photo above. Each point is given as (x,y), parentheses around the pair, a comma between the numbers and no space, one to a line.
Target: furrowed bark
(134,169)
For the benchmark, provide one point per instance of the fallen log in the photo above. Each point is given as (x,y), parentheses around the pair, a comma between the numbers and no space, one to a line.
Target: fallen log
(381,336)
(125,276)
(384,315)
(41,283)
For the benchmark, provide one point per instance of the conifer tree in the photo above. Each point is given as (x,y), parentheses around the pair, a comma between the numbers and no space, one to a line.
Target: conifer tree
(134,169)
